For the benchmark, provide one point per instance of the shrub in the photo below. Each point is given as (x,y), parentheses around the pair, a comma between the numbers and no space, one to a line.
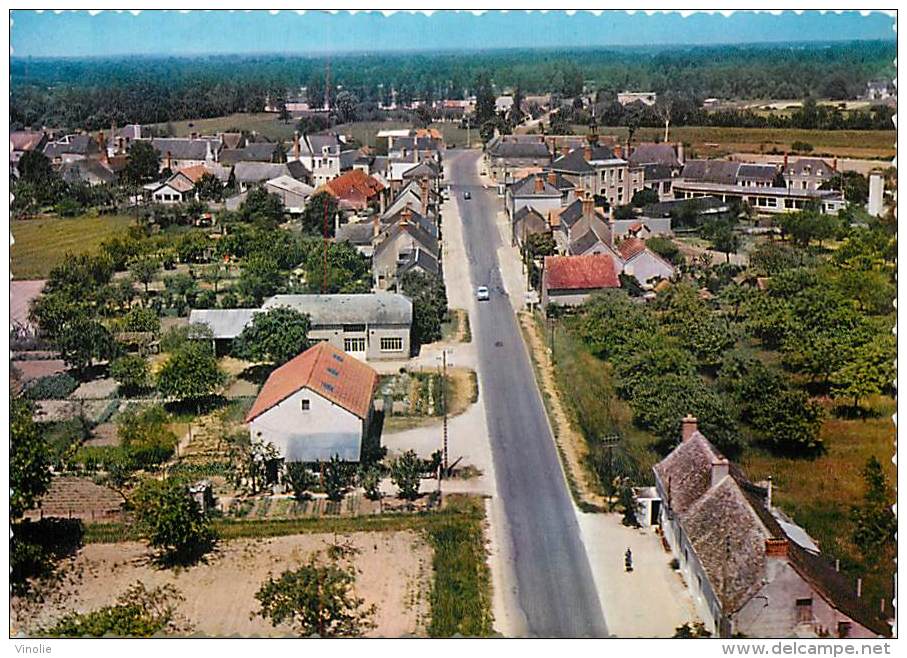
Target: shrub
(336,478)
(172,521)
(131,371)
(52,387)
(406,472)
(146,437)
(301,480)
(801,147)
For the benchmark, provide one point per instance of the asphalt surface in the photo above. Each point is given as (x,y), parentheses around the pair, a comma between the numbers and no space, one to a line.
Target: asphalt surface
(554,581)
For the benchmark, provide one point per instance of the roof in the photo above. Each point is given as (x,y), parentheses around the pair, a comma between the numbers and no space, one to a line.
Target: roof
(71,144)
(649,153)
(531,219)
(251,152)
(575,162)
(257,172)
(354,184)
(373,308)
(536,149)
(703,204)
(711,171)
(325,370)
(728,525)
(810,167)
(290,184)
(420,170)
(530,186)
(765,172)
(580,272)
(657,172)
(83,170)
(631,247)
(356,233)
(26,140)
(185,149)
(420,236)
(224,323)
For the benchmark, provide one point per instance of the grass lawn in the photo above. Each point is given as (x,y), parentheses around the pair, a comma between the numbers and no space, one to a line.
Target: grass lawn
(709,141)
(42,243)
(269,125)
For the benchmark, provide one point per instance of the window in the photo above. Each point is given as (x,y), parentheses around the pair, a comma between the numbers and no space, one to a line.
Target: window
(804,611)
(305,404)
(354,344)
(844,628)
(391,344)
(328,387)
(333,371)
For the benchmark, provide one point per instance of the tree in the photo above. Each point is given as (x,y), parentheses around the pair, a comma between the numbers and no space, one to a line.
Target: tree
(316,599)
(260,278)
(142,319)
(82,340)
(406,474)
(190,374)
(131,371)
(370,479)
(275,336)
(262,208)
(336,478)
(144,269)
(421,117)
(143,163)
(869,371)
(429,298)
(874,522)
(320,214)
(485,100)
(282,112)
(301,480)
(345,105)
(29,466)
(172,522)
(726,240)
(209,188)
(138,612)
(34,167)
(644,197)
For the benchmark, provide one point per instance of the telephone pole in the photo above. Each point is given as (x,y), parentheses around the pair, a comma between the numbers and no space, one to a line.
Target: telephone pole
(444,406)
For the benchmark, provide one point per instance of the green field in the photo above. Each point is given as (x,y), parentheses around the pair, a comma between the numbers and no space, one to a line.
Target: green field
(269,125)
(708,141)
(42,243)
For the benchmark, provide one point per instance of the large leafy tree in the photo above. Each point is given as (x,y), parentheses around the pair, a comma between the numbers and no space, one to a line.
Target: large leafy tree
(262,208)
(29,466)
(260,278)
(34,167)
(209,188)
(191,373)
(142,163)
(172,521)
(144,269)
(82,340)
(485,100)
(429,299)
(869,371)
(348,271)
(320,214)
(316,599)
(874,522)
(276,336)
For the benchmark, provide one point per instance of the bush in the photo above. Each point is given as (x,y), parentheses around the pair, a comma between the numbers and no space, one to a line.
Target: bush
(35,545)
(146,436)
(131,371)
(801,147)
(336,478)
(52,387)
(172,521)
(406,473)
(301,480)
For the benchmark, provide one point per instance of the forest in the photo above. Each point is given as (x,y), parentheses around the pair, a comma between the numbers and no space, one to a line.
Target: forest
(93,93)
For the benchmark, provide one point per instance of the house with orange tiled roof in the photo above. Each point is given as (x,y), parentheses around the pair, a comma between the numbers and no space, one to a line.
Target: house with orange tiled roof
(316,406)
(571,280)
(356,190)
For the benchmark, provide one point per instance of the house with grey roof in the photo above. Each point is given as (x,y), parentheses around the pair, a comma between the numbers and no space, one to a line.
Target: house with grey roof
(293,193)
(538,191)
(253,152)
(181,152)
(325,155)
(402,247)
(602,171)
(747,575)
(661,163)
(527,221)
(251,174)
(69,148)
(505,153)
(808,173)
(372,326)
(88,171)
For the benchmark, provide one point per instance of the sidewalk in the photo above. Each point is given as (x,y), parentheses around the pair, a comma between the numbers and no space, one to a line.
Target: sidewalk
(650,601)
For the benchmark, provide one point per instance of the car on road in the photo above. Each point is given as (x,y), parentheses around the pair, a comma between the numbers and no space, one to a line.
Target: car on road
(467,195)
(482,294)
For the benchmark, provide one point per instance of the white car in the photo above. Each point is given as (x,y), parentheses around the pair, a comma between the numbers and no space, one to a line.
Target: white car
(482,294)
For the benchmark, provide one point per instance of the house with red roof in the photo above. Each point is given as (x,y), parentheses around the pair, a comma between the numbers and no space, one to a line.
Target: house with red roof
(642,263)
(356,190)
(570,280)
(316,406)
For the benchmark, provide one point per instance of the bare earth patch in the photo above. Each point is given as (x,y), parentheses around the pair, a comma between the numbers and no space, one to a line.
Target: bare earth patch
(393,572)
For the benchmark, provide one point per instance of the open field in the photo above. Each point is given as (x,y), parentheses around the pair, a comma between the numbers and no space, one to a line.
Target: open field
(269,125)
(708,141)
(219,594)
(42,243)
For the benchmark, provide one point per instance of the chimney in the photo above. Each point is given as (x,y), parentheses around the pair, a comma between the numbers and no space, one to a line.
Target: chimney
(296,148)
(776,547)
(784,166)
(539,184)
(618,151)
(720,469)
(876,193)
(587,152)
(859,587)
(834,165)
(552,178)
(588,206)
(689,427)
(167,162)
(680,154)
(423,184)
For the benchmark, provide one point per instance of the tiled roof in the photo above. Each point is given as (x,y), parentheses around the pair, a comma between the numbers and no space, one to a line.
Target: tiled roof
(530,186)
(757,171)
(810,166)
(580,272)
(649,153)
(711,171)
(185,149)
(25,140)
(328,372)
(354,183)
(631,247)
(193,173)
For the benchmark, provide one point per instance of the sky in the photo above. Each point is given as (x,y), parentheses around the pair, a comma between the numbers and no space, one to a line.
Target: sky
(79,34)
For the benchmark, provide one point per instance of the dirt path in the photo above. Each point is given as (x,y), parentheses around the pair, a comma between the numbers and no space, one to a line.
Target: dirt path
(571,444)
(393,572)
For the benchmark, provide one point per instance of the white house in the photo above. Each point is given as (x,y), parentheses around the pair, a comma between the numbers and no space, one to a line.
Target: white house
(316,406)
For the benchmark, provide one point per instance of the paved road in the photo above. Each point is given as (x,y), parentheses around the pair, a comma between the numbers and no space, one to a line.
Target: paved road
(554,581)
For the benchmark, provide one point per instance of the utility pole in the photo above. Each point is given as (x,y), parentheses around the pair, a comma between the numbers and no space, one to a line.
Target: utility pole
(468,140)
(609,441)
(444,405)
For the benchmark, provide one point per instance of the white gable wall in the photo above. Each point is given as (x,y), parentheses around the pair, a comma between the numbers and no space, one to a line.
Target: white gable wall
(323,431)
